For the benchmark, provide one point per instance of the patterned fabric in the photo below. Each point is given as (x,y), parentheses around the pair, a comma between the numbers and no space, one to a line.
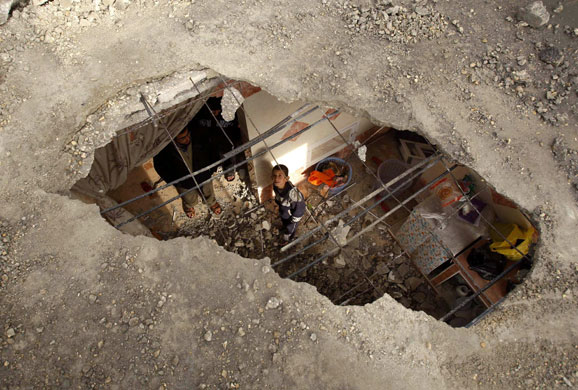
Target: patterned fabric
(418,238)
(113,163)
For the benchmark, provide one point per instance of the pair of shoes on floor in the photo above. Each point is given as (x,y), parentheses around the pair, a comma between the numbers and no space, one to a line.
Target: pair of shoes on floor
(216,208)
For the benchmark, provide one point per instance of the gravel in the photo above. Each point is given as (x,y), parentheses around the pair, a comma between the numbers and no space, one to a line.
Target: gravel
(394,23)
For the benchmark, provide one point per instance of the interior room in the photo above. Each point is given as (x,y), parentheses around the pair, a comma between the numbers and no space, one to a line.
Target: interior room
(385,212)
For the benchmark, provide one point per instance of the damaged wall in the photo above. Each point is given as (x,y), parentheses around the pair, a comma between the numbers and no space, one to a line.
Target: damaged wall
(304,150)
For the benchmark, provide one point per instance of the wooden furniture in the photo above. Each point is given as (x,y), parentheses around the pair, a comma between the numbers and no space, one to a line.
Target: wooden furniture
(459,265)
(413,151)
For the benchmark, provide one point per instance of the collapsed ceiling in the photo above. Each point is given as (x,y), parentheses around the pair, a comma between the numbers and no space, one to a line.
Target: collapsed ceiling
(79,294)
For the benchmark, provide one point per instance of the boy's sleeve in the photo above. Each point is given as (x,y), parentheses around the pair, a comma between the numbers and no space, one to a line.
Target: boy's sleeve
(297,205)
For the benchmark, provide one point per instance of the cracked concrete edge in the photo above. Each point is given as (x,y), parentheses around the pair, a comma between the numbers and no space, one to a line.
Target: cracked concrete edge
(560,232)
(386,313)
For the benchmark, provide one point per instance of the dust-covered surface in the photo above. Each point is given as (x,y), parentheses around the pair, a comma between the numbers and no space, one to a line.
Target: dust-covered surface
(85,306)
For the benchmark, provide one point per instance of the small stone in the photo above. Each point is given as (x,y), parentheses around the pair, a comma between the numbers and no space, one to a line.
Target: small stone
(483,344)
(393,10)
(339,262)
(92,298)
(419,297)
(535,14)
(422,11)
(313,337)
(133,321)
(412,283)
(266,225)
(405,301)
(273,303)
(265,269)
(522,76)
(208,336)
(551,55)
(10,333)
(403,270)
(241,332)
(393,277)
(382,269)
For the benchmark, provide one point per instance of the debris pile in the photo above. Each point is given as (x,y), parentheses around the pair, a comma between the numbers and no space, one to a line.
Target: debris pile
(367,269)
(395,23)
(361,273)
(544,80)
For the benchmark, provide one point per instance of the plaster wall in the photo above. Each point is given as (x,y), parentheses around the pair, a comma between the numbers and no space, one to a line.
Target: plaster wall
(264,111)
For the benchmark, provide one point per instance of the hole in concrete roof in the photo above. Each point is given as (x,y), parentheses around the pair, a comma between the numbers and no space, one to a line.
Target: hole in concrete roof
(377,210)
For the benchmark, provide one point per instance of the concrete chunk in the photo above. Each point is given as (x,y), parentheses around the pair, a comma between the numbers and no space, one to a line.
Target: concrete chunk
(535,14)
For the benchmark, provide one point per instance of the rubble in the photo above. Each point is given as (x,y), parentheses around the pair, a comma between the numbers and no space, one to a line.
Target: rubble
(394,23)
(542,87)
(230,102)
(551,55)
(340,233)
(5,7)
(567,158)
(71,57)
(535,14)
(208,336)
(273,303)
(339,261)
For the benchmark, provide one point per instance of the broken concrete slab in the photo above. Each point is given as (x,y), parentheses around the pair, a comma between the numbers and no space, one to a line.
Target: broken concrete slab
(230,103)
(340,233)
(397,92)
(5,8)
(535,14)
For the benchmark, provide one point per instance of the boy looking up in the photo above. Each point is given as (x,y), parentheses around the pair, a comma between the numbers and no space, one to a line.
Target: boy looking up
(289,199)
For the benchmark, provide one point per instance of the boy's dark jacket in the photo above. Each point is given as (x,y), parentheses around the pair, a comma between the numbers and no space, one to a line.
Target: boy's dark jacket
(291,202)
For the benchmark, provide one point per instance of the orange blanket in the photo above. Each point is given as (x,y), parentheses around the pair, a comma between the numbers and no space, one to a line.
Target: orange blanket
(325,177)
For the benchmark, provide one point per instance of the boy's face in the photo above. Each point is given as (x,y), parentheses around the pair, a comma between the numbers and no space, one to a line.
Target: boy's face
(184,137)
(279,179)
